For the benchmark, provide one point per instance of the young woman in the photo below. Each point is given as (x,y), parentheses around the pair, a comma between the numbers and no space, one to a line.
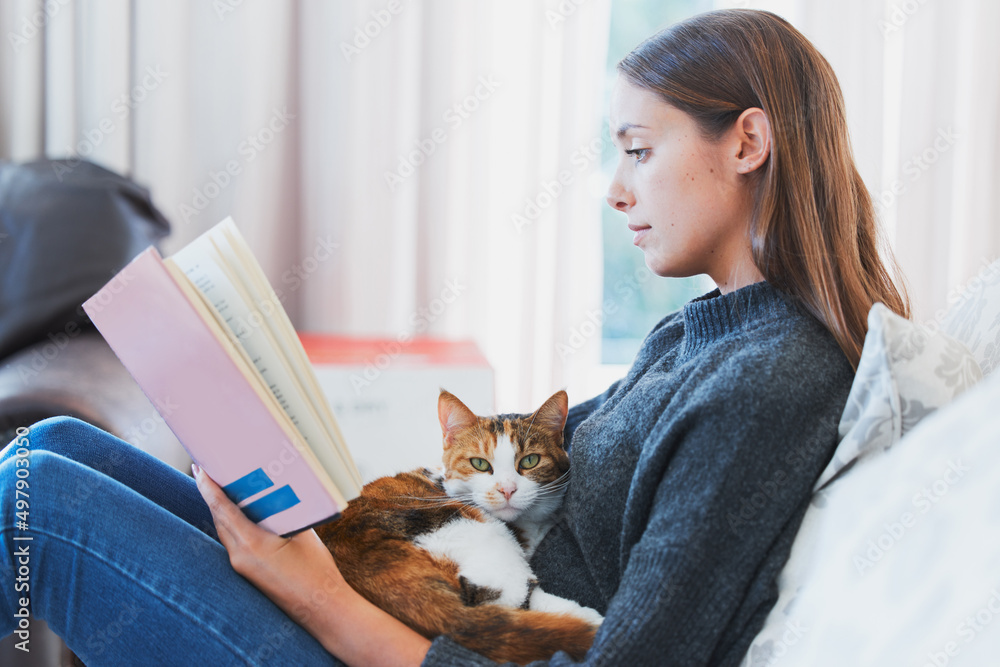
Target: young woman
(690,475)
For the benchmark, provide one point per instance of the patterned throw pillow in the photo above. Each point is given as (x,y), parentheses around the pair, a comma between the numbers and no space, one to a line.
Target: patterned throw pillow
(906,371)
(974,318)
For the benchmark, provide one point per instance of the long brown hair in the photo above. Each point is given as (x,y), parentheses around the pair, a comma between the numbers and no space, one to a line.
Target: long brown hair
(813,230)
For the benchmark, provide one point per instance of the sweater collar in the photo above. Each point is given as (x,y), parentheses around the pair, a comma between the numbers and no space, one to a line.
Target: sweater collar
(714,315)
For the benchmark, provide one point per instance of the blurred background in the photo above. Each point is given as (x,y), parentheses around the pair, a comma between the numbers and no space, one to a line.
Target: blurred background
(438,167)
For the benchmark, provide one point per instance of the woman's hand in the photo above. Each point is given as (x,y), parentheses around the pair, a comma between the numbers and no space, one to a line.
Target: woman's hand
(299,575)
(290,571)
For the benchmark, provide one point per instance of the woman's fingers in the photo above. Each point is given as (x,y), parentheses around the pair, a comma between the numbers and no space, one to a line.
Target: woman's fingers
(241,537)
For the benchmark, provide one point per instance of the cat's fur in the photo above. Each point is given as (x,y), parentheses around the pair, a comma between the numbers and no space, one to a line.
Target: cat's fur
(446,551)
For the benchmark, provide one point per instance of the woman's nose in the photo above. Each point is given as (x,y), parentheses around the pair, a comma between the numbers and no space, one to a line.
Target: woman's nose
(619,197)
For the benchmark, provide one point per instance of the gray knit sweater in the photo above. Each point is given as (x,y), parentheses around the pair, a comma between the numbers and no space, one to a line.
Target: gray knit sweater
(690,478)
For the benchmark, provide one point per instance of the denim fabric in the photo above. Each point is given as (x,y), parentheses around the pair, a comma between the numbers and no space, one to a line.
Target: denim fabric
(124,561)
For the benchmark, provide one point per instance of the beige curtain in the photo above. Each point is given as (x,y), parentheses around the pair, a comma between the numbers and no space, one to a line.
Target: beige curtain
(399,166)
(923,98)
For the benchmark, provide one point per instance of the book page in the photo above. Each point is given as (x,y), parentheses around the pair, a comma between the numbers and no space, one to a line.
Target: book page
(250,321)
(240,259)
(240,262)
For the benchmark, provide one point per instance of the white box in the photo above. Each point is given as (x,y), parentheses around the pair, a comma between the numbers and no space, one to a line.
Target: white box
(384,394)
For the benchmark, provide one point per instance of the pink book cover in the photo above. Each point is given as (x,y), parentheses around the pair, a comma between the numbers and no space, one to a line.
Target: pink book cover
(210,406)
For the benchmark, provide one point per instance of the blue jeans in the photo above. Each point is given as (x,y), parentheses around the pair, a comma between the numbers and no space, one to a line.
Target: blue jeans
(123,560)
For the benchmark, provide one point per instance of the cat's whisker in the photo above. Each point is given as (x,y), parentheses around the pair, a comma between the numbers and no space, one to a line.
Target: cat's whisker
(558,484)
(430,505)
(443,500)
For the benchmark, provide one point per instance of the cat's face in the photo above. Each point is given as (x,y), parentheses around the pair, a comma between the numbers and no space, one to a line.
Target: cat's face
(511,466)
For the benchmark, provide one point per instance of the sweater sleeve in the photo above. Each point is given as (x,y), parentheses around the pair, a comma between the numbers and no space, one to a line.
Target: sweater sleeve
(578,413)
(723,501)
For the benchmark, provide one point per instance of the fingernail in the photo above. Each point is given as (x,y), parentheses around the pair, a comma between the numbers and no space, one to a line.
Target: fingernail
(195,469)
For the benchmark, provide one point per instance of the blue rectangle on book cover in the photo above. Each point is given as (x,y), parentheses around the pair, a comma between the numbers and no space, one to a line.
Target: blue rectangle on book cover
(272,503)
(248,485)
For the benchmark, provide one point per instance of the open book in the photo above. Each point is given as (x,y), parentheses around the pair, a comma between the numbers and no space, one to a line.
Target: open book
(206,338)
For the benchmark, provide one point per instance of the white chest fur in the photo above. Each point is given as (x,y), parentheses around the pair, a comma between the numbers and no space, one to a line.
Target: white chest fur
(486,553)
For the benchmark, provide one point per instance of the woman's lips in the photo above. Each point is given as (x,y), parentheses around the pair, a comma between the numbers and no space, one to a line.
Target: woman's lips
(640,232)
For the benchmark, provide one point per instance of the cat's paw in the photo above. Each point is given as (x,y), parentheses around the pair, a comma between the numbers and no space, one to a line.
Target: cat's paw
(589,615)
(542,601)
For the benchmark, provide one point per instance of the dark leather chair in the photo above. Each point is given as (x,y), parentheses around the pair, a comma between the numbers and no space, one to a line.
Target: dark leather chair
(66,227)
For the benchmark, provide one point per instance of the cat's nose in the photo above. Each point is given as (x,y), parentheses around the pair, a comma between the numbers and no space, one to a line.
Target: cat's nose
(508,490)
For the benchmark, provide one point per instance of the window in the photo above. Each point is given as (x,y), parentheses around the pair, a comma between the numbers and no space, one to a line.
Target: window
(640,298)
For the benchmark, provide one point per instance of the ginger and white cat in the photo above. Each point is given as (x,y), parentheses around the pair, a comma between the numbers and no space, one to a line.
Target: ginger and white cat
(447,551)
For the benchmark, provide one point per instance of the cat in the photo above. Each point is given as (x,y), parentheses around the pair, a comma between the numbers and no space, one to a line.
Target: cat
(446,551)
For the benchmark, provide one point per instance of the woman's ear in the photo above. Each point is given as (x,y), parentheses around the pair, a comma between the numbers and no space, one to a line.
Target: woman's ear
(753,133)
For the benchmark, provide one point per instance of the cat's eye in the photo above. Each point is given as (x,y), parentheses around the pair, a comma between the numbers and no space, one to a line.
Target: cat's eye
(530,461)
(482,465)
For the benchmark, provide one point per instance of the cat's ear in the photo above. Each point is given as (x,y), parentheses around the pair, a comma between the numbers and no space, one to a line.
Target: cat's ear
(552,415)
(454,416)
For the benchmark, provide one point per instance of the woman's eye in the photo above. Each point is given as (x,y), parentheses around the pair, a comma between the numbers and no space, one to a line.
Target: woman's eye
(530,461)
(640,154)
(482,465)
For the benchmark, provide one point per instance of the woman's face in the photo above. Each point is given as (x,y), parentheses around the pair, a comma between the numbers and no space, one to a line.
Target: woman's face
(685,200)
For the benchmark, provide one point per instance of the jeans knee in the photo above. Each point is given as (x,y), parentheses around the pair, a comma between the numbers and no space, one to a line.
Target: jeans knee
(33,462)
(44,475)
(58,430)
(81,442)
